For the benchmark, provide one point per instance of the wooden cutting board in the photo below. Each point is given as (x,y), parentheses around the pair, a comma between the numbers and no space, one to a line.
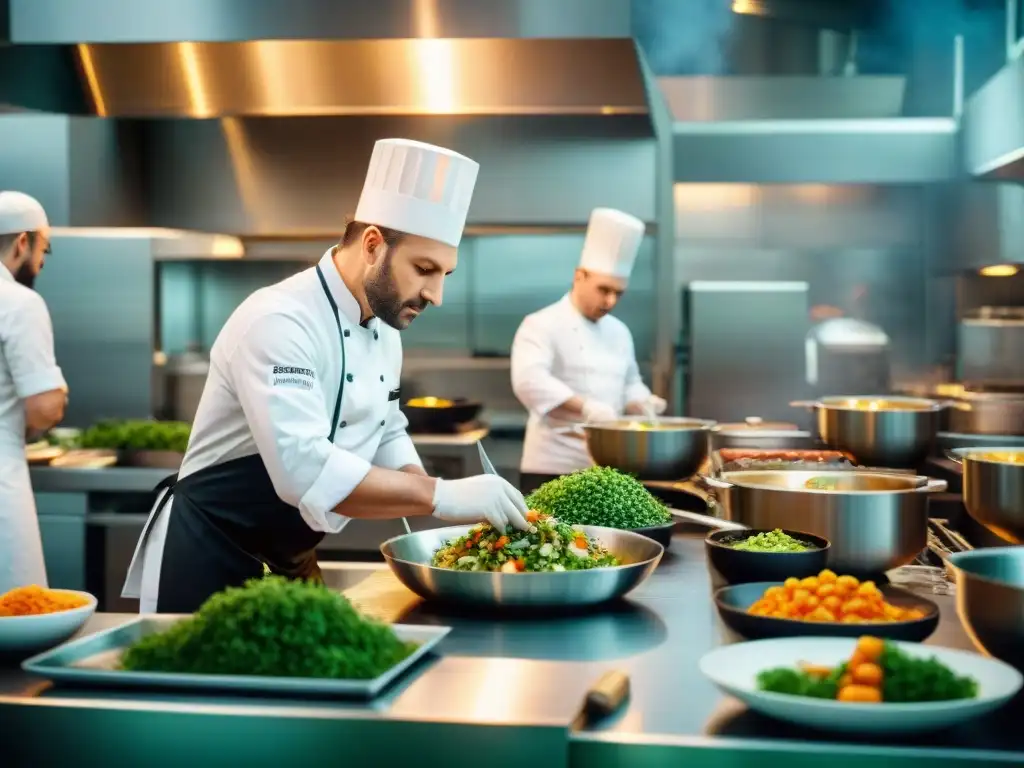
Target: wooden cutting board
(383,597)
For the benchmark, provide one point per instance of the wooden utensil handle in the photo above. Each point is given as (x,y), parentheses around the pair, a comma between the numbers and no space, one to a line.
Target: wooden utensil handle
(606,695)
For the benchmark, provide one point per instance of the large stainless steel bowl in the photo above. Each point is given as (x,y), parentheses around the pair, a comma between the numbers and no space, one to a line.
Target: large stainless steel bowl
(409,556)
(993,489)
(652,449)
(875,520)
(990,600)
(880,431)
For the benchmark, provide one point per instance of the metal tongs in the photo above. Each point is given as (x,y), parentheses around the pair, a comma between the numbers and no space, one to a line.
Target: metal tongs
(484,461)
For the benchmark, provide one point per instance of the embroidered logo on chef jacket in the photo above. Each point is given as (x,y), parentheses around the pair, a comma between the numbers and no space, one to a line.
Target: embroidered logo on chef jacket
(290,376)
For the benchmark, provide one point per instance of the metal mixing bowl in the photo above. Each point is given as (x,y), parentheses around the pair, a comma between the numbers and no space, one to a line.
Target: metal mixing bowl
(875,521)
(409,556)
(990,600)
(665,448)
(994,489)
(882,431)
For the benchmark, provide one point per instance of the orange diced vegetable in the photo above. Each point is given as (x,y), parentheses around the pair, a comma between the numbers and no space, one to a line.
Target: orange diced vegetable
(868,674)
(860,694)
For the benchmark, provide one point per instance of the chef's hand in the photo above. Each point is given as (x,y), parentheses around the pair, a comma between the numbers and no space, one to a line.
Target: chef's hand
(655,405)
(595,410)
(478,498)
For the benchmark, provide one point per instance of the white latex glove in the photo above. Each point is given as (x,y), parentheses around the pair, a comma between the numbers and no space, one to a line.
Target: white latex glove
(478,498)
(655,405)
(595,410)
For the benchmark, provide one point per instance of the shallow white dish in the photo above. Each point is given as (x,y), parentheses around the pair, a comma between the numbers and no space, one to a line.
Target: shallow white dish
(32,634)
(734,669)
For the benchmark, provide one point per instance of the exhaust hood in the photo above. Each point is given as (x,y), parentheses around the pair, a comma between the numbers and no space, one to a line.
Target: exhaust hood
(238,58)
(993,126)
(795,111)
(289,78)
(256,117)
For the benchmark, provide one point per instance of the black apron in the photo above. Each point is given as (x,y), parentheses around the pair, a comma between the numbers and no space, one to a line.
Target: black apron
(227,521)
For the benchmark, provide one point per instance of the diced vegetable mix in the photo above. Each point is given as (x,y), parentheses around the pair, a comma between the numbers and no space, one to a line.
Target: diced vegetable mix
(831,598)
(137,435)
(771,541)
(600,496)
(273,627)
(549,545)
(876,672)
(34,600)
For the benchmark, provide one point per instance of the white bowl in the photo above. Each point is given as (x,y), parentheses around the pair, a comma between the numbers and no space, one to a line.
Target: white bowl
(33,634)
(734,669)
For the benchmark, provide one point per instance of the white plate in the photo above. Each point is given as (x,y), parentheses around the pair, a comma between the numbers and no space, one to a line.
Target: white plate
(31,634)
(734,669)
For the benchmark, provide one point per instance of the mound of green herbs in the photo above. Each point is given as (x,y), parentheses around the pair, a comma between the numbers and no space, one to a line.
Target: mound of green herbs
(272,627)
(599,496)
(137,435)
(905,679)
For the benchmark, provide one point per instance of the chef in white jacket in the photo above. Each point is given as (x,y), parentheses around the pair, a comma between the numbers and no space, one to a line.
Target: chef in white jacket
(299,429)
(573,362)
(32,388)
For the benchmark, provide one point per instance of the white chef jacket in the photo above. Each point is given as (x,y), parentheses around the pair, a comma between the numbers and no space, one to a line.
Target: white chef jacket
(27,367)
(275,370)
(557,354)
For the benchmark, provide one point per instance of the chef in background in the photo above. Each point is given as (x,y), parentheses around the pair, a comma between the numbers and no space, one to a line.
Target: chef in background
(33,393)
(298,429)
(573,362)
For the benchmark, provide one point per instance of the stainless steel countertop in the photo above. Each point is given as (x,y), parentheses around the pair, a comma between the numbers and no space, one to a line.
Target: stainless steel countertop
(144,479)
(533,672)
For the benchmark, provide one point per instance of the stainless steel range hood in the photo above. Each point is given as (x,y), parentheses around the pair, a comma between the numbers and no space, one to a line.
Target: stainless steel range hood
(288,78)
(795,110)
(994,126)
(256,117)
(260,58)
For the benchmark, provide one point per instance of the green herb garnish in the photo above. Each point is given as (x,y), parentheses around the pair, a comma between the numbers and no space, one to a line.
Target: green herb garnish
(912,679)
(771,541)
(137,435)
(599,496)
(273,627)
(796,682)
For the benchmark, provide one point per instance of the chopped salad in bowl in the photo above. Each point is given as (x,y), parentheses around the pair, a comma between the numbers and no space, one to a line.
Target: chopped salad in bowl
(548,545)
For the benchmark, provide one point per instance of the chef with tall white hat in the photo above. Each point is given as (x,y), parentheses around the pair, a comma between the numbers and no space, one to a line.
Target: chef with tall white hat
(32,388)
(299,429)
(572,361)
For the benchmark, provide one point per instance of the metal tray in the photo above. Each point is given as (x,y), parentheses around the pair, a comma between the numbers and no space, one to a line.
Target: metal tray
(92,661)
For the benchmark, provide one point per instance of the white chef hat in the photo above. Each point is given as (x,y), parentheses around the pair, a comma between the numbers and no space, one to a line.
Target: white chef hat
(418,189)
(612,242)
(20,213)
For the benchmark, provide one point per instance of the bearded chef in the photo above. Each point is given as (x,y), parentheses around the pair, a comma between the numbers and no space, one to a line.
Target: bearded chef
(573,362)
(298,429)
(32,388)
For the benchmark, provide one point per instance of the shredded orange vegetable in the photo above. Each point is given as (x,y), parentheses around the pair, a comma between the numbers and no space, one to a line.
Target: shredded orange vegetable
(34,600)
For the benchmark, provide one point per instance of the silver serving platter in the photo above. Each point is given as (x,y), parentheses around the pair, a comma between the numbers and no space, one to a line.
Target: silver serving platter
(409,557)
(93,660)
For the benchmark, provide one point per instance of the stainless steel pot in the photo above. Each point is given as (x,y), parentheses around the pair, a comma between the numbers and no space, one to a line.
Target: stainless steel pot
(990,600)
(667,448)
(993,489)
(758,434)
(987,413)
(876,521)
(879,431)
